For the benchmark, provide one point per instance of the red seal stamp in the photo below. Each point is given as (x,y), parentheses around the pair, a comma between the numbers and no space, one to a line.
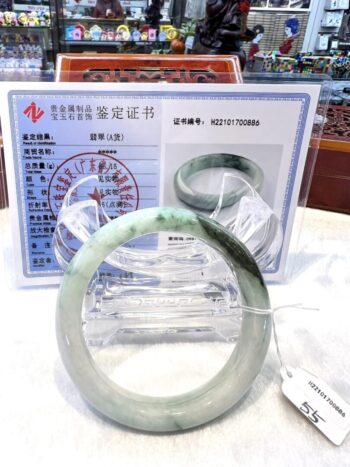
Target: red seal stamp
(116,191)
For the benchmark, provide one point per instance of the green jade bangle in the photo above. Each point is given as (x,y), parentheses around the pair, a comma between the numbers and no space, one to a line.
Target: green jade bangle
(193,408)
(209,201)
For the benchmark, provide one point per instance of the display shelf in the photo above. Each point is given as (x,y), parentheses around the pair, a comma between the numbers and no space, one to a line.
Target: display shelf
(78,42)
(110,22)
(82,42)
(78,29)
(30,38)
(344,45)
(280,9)
(102,20)
(282,4)
(4,28)
(128,19)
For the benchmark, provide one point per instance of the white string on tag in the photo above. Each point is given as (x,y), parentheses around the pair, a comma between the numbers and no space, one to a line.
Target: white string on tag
(285,370)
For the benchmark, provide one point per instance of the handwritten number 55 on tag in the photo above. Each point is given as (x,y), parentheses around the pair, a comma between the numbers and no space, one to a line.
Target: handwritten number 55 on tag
(312,414)
(320,404)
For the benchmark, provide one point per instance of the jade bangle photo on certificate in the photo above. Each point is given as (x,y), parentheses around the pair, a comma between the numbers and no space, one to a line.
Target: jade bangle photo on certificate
(193,408)
(209,201)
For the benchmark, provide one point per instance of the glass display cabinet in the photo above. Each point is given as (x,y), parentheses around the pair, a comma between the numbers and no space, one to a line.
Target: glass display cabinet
(26,36)
(130,26)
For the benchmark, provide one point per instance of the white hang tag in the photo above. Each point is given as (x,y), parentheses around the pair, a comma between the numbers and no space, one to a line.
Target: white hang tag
(317,402)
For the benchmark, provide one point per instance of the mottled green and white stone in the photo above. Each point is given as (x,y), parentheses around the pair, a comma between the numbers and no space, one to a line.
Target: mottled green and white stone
(209,201)
(185,410)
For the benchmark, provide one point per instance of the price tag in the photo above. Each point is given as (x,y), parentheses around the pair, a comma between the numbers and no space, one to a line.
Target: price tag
(318,403)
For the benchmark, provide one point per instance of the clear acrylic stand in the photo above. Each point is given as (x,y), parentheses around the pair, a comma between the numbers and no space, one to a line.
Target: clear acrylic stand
(251,220)
(156,289)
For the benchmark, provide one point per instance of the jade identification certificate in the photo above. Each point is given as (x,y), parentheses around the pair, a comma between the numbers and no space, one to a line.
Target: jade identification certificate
(131,139)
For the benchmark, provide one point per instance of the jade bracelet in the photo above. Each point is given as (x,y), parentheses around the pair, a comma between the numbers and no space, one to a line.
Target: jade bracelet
(192,408)
(209,201)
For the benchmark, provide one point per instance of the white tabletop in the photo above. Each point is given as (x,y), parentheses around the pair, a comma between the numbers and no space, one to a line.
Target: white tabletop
(44,421)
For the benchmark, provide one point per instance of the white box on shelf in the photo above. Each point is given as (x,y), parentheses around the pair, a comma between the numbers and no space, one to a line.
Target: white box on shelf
(322,42)
(332,19)
(336,5)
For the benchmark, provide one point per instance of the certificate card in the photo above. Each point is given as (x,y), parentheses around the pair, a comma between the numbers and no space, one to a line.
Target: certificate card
(134,137)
